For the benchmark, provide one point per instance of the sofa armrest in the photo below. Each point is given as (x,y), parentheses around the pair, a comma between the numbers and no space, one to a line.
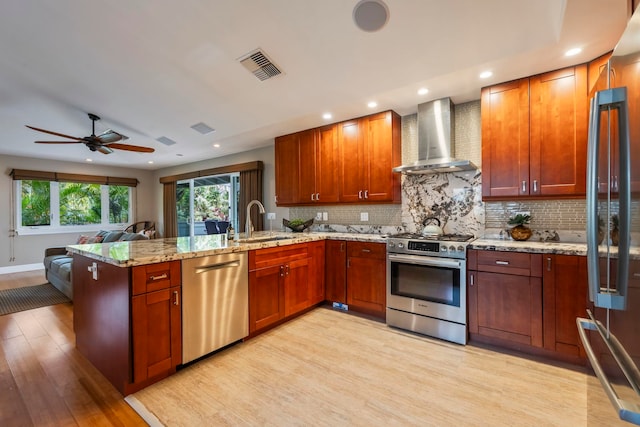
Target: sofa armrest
(55,251)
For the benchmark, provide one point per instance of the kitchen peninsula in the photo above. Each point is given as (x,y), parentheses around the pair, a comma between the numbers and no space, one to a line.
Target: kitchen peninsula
(128,296)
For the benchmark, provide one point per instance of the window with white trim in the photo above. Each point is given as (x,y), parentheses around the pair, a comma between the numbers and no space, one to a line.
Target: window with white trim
(44,206)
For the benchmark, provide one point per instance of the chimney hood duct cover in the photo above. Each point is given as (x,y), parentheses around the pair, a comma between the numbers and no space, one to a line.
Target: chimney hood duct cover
(435,141)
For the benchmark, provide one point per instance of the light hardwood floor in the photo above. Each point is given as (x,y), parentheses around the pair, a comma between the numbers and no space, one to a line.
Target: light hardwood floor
(44,380)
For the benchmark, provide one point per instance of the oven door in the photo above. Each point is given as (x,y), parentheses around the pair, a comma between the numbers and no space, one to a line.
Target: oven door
(429,286)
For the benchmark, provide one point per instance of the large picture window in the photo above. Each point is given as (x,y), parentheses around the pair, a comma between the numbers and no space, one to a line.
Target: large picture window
(57,206)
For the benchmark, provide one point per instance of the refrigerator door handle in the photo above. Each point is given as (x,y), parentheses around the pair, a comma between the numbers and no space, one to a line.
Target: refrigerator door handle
(627,411)
(608,298)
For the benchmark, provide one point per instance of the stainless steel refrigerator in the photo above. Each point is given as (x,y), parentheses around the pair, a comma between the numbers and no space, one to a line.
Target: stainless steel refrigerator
(611,330)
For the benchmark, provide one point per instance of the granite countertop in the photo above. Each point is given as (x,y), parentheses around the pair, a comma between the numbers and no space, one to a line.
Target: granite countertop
(560,248)
(142,252)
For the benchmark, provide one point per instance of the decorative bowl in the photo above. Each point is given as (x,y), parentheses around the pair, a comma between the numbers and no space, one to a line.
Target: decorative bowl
(297,228)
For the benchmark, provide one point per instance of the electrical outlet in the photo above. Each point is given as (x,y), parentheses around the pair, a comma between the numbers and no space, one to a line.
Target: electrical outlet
(325,216)
(271,215)
(318,216)
(364,216)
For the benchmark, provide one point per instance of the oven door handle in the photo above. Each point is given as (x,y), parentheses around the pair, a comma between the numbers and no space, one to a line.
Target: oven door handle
(424,260)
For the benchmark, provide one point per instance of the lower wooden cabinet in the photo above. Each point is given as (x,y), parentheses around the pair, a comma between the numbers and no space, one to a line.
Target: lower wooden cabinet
(565,297)
(505,297)
(127,320)
(284,281)
(356,274)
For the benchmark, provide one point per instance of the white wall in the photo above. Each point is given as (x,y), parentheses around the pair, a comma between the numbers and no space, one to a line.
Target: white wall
(265,154)
(30,249)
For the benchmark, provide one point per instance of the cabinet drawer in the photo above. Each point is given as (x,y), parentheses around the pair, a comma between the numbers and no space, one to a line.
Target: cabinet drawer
(262,258)
(517,263)
(153,277)
(366,250)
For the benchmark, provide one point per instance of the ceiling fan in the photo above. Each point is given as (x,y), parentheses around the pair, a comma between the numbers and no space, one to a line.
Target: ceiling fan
(104,143)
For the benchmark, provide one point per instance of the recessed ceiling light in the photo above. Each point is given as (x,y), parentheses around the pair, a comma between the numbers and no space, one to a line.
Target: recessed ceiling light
(572,52)
(486,74)
(216,145)
(423,91)
(327,116)
(150,162)
(372,104)
(89,160)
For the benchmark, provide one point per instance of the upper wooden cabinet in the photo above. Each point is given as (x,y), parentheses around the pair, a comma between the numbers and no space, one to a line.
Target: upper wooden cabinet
(534,136)
(349,162)
(369,148)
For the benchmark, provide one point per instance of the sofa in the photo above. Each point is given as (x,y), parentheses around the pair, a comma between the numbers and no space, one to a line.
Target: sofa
(57,262)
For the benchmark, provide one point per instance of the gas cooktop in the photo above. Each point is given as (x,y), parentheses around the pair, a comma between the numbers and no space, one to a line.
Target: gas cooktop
(444,246)
(438,238)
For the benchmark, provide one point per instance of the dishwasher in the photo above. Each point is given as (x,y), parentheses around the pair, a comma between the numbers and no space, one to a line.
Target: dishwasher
(215,303)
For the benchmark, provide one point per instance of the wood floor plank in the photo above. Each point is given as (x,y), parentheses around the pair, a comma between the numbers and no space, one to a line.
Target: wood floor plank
(13,410)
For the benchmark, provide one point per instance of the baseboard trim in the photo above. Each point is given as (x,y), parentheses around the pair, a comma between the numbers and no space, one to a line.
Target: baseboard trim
(21,268)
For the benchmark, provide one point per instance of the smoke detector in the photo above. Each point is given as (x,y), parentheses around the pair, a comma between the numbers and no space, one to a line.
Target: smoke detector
(370,15)
(259,64)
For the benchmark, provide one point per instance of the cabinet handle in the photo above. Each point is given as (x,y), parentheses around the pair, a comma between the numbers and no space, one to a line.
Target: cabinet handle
(342,247)
(286,271)
(636,274)
(524,186)
(313,197)
(366,194)
(502,262)
(317,197)
(160,277)
(176,300)
(282,271)
(548,263)
(535,185)
(348,262)
(366,250)
(360,194)
(615,182)
(473,282)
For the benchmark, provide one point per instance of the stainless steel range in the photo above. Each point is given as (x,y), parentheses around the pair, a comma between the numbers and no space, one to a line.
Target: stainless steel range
(427,284)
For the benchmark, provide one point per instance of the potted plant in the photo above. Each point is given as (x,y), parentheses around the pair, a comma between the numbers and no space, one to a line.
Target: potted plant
(614,230)
(520,231)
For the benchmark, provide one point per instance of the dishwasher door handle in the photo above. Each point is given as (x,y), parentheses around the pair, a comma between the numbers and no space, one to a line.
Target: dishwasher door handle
(221,265)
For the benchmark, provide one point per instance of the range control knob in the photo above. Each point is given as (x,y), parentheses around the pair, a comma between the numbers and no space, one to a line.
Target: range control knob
(443,248)
(452,248)
(401,245)
(391,244)
(460,248)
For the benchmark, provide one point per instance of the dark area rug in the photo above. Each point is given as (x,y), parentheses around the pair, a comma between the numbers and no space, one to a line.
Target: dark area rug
(20,299)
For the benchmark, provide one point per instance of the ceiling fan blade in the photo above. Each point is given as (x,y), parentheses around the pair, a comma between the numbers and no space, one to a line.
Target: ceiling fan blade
(111,136)
(57,142)
(131,148)
(53,133)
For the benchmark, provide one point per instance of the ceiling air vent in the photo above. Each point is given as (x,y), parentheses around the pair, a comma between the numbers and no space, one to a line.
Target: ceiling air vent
(260,65)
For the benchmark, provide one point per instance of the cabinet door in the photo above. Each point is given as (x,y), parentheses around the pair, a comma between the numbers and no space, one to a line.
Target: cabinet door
(505,139)
(564,298)
(382,154)
(472,301)
(627,74)
(351,161)
(297,292)
(336,271)
(287,162)
(157,333)
(316,272)
(266,299)
(326,166)
(510,307)
(558,141)
(366,278)
(307,167)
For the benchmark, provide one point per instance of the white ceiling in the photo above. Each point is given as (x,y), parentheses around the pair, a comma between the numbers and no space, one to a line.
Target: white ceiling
(153,68)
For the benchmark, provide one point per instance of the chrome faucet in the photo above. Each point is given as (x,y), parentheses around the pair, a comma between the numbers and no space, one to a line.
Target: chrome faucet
(248,227)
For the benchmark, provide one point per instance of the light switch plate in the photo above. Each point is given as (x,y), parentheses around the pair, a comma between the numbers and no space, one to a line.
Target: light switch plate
(271,215)
(318,216)
(364,216)
(325,216)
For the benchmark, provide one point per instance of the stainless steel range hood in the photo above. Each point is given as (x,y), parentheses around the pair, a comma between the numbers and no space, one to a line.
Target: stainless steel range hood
(435,141)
